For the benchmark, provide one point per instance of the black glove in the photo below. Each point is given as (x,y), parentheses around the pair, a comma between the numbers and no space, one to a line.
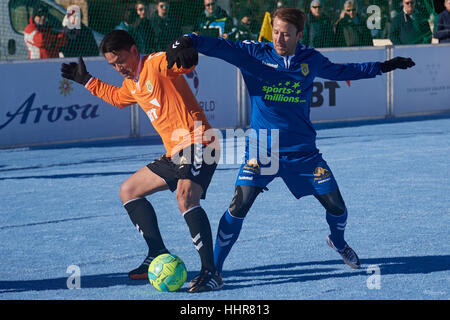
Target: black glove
(76,71)
(397,63)
(176,47)
(187,58)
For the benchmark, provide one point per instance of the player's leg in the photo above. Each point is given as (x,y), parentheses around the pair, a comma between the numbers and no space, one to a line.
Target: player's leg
(311,175)
(188,198)
(194,178)
(142,214)
(231,222)
(336,216)
(250,183)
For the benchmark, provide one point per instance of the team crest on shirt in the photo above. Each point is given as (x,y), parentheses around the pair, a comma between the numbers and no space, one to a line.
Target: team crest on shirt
(149,86)
(321,175)
(305,69)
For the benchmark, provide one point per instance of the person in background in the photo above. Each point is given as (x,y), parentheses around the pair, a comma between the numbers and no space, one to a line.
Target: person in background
(80,40)
(41,40)
(410,26)
(165,28)
(214,21)
(128,25)
(442,28)
(319,31)
(143,27)
(351,29)
(246,28)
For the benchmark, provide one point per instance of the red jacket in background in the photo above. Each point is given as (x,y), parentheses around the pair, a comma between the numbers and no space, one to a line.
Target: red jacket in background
(42,42)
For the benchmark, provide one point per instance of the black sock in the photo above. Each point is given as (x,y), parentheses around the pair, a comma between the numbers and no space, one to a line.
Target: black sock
(200,230)
(143,216)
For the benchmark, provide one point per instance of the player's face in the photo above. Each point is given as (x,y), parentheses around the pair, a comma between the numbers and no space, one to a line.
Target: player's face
(125,62)
(285,37)
(447,5)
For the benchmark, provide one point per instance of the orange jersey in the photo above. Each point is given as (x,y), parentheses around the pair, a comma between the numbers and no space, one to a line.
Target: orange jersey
(165,97)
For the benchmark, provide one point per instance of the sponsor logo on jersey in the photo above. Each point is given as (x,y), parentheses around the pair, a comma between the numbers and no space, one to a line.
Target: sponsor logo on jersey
(288,91)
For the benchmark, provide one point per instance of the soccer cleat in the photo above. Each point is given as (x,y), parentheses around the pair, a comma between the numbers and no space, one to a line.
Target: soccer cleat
(348,254)
(195,279)
(141,272)
(206,281)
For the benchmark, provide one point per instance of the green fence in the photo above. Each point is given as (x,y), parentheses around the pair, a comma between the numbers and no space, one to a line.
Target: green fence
(330,23)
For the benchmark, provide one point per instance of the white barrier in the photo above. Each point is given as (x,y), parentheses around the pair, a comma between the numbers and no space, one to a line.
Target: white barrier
(39,107)
(426,87)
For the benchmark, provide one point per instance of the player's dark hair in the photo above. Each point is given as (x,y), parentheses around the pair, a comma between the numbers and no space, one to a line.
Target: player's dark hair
(116,40)
(291,15)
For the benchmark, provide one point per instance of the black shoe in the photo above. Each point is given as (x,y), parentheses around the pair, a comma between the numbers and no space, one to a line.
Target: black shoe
(206,281)
(348,254)
(141,272)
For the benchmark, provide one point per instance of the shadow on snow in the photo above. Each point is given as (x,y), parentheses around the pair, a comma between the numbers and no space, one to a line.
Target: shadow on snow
(257,276)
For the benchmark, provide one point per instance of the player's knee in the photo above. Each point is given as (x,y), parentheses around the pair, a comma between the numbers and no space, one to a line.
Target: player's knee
(243,199)
(127,191)
(187,199)
(336,210)
(333,203)
(337,206)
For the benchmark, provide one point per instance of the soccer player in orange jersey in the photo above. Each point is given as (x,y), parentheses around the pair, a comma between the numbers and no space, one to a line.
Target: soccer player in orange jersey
(192,149)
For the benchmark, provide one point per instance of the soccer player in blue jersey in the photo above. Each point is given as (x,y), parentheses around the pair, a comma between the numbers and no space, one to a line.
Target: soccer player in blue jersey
(279,78)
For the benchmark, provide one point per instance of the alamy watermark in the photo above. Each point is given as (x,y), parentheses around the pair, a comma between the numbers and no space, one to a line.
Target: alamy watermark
(263,145)
(74,280)
(374,17)
(373,282)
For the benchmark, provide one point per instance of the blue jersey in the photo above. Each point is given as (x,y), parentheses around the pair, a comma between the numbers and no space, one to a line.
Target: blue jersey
(280,87)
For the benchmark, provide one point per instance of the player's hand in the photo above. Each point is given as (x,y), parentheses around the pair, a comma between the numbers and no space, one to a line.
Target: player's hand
(76,71)
(176,47)
(397,63)
(187,58)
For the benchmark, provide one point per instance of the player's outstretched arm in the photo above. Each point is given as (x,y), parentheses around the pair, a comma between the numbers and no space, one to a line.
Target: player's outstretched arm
(119,97)
(76,72)
(356,71)
(234,52)
(396,63)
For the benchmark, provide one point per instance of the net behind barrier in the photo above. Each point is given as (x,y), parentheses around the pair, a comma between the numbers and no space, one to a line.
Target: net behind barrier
(76,27)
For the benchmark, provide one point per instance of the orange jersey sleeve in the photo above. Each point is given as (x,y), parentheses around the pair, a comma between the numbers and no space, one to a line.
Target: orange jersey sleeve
(117,96)
(167,100)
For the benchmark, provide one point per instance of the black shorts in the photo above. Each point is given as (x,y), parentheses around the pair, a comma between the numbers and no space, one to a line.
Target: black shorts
(189,163)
